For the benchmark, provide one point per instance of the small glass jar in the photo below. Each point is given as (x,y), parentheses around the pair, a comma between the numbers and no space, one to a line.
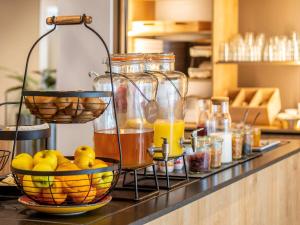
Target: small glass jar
(216,152)
(199,161)
(237,144)
(247,143)
(178,163)
(256,136)
(170,166)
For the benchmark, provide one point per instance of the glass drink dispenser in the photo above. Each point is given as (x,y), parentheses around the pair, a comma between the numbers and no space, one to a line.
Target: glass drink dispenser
(134,92)
(172,89)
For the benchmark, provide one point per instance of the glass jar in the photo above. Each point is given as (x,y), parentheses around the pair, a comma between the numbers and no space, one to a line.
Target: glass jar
(200,160)
(256,136)
(172,89)
(247,143)
(216,152)
(219,124)
(203,116)
(134,89)
(237,144)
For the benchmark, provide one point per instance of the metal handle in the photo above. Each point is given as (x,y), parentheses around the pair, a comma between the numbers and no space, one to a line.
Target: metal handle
(68,20)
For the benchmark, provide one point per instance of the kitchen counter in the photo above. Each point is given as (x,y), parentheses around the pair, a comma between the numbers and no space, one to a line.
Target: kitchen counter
(175,205)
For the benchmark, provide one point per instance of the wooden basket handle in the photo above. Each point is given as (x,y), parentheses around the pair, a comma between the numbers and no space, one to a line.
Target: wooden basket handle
(68,20)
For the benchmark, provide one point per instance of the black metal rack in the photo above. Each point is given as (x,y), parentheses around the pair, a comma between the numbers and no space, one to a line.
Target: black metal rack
(116,165)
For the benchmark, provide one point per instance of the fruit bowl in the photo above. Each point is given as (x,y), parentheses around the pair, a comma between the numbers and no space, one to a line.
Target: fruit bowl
(67,106)
(4,156)
(68,185)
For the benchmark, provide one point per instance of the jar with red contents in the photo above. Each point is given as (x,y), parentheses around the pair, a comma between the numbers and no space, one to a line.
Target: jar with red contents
(200,160)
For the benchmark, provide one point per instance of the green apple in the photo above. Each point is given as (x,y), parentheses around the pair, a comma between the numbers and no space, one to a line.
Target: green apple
(104,179)
(23,161)
(45,157)
(42,181)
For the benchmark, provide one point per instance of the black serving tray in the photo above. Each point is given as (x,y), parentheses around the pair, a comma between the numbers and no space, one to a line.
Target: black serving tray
(25,135)
(180,173)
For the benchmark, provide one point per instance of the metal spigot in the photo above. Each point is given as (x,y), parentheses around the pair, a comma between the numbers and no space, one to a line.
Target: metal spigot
(194,136)
(164,149)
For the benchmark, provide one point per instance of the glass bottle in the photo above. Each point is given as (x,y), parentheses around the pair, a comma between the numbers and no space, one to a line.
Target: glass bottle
(219,125)
(170,98)
(203,116)
(134,89)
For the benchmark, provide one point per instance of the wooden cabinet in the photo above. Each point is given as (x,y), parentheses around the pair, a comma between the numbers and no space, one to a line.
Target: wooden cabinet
(223,26)
(270,196)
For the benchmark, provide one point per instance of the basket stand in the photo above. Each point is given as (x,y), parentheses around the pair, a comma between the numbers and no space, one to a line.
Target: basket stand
(62,21)
(134,189)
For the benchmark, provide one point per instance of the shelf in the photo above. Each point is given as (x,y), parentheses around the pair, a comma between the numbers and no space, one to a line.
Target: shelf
(275,63)
(203,37)
(153,34)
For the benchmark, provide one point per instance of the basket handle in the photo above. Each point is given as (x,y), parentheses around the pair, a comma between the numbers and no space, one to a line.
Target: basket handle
(68,20)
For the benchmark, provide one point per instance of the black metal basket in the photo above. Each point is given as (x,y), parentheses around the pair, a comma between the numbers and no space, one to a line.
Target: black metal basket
(68,185)
(78,186)
(4,156)
(67,106)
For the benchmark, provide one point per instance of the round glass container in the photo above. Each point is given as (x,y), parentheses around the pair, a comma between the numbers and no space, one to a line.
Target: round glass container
(200,160)
(237,144)
(172,89)
(256,136)
(247,143)
(216,152)
(133,90)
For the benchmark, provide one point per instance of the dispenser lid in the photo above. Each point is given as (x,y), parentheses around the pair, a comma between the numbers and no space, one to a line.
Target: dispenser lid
(219,100)
(160,56)
(129,57)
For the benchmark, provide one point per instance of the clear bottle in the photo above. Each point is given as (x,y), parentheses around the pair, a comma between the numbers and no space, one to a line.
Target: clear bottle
(170,98)
(219,125)
(134,89)
(203,116)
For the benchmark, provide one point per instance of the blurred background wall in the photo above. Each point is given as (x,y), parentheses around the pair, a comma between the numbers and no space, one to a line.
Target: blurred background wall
(19,28)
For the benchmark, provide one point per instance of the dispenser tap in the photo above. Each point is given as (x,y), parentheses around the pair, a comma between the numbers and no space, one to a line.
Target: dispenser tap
(194,136)
(164,149)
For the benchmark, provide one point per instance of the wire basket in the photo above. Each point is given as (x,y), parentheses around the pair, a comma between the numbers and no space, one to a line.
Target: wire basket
(4,156)
(67,107)
(68,185)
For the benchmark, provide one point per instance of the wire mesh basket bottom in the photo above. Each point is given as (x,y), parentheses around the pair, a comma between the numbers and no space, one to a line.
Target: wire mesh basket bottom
(67,187)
